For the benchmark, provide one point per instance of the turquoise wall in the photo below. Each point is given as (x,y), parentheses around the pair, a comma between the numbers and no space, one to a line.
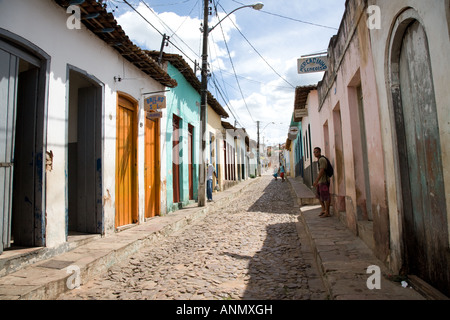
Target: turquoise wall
(183,101)
(297,149)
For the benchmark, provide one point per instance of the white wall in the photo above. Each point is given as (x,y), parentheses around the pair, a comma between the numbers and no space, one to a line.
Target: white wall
(43,23)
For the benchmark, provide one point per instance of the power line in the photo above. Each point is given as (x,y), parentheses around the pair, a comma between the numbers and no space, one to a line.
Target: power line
(259,53)
(293,19)
(218,90)
(297,20)
(173,32)
(234,70)
(125,1)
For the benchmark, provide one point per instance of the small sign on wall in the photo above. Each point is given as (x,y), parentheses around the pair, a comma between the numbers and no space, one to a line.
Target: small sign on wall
(153,115)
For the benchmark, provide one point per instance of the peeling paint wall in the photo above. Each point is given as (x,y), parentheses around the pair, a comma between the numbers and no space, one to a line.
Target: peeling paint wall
(349,114)
(83,50)
(184,102)
(434,17)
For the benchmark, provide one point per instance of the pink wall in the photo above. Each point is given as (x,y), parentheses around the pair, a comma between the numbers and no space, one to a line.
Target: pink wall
(354,143)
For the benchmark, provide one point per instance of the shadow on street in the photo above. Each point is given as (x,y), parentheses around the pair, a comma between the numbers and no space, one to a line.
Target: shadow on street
(276,198)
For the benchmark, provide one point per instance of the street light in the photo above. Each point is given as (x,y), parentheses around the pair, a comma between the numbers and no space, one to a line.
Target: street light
(256,6)
(204,91)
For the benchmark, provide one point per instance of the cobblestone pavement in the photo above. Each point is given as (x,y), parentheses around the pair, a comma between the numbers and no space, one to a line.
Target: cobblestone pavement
(246,249)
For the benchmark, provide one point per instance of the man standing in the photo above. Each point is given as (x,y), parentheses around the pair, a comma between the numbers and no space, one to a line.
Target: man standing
(209,181)
(322,184)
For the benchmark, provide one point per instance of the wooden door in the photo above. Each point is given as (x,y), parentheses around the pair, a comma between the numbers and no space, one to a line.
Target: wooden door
(25,222)
(176,159)
(152,168)
(426,235)
(126,163)
(191,162)
(8,83)
(88,213)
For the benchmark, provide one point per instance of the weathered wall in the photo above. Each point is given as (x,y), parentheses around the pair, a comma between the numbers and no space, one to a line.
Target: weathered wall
(434,16)
(43,23)
(351,129)
(184,102)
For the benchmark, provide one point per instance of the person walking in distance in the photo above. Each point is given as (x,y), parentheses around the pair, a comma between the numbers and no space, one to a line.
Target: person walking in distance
(209,181)
(282,172)
(322,184)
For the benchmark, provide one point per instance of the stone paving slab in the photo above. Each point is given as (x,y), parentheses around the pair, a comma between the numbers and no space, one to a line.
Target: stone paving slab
(343,259)
(47,279)
(250,248)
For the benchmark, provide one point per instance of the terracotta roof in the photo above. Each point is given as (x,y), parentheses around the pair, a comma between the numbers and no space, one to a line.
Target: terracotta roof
(301,96)
(227,125)
(105,27)
(185,69)
(288,144)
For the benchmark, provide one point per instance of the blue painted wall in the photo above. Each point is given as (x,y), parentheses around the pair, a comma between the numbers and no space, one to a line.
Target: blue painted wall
(183,101)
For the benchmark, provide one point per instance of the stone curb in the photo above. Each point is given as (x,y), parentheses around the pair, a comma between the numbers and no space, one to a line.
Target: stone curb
(343,260)
(47,279)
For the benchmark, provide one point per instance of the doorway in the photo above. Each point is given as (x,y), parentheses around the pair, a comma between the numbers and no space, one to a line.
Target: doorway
(425,233)
(176,148)
(126,162)
(191,161)
(22,127)
(152,168)
(85,213)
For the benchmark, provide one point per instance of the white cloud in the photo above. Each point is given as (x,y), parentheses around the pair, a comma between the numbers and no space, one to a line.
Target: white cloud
(280,41)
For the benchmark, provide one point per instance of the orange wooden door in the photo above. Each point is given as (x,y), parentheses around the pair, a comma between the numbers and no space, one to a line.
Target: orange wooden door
(126,163)
(151,169)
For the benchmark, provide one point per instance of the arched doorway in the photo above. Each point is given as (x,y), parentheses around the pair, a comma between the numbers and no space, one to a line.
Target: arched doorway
(425,234)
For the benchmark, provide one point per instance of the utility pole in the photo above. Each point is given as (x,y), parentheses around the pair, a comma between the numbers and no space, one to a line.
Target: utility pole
(279,153)
(203,104)
(203,93)
(163,43)
(257,152)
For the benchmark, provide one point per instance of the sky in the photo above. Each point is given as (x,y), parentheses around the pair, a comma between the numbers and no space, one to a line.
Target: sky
(252,54)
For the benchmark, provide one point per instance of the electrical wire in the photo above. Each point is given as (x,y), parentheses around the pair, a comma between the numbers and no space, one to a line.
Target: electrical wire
(301,21)
(171,42)
(293,19)
(235,74)
(259,54)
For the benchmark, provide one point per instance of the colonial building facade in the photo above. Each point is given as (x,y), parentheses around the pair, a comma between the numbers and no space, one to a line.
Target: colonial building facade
(380,114)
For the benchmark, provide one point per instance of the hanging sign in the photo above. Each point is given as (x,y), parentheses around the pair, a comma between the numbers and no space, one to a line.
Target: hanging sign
(154,103)
(312,64)
(300,113)
(292,134)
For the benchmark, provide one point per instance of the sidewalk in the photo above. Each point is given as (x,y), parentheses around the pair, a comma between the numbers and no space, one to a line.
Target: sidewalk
(47,279)
(342,257)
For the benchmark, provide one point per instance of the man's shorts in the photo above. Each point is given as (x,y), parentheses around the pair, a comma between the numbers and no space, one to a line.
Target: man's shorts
(323,192)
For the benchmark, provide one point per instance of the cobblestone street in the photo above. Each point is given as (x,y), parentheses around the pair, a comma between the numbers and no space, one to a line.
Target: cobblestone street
(245,249)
